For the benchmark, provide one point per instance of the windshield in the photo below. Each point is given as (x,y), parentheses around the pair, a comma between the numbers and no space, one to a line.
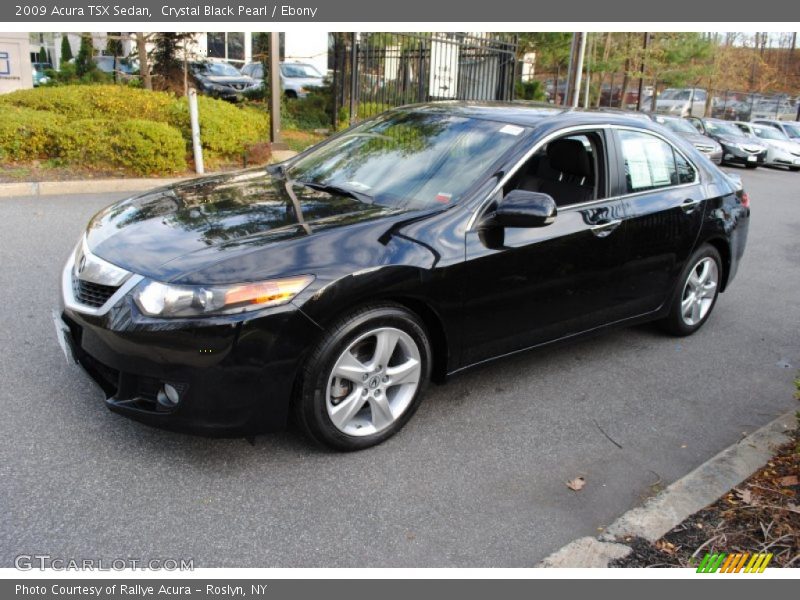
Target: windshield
(792,130)
(409,159)
(678,125)
(217,69)
(299,71)
(769,133)
(719,128)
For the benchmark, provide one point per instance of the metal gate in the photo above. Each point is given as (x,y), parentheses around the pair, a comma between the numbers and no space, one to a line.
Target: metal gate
(377,71)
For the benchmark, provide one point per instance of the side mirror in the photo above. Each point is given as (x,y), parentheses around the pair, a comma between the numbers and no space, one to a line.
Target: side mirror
(520,208)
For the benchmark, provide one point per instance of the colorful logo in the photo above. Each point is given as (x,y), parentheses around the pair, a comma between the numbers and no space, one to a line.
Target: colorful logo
(720,562)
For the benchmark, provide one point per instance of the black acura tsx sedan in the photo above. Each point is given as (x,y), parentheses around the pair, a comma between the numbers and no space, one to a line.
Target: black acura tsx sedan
(335,286)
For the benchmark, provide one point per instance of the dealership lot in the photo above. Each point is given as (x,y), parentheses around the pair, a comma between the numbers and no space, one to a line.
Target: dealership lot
(477,478)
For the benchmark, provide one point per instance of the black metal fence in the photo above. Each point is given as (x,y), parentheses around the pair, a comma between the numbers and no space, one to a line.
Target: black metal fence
(377,71)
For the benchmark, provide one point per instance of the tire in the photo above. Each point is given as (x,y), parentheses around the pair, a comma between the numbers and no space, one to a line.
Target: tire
(751,166)
(693,301)
(794,169)
(379,391)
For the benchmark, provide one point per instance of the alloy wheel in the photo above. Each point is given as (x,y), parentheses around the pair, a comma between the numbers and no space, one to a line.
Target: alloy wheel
(699,291)
(373,381)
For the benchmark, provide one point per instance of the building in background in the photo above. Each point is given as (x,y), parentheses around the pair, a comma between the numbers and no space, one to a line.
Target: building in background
(16,69)
(235,47)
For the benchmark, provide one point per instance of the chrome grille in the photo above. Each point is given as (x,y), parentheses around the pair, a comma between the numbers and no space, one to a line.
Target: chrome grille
(92,294)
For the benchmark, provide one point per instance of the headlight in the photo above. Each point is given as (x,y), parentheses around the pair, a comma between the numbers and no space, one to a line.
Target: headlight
(165,300)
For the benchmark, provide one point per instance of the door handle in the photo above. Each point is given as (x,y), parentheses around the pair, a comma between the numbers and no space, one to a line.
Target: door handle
(603,229)
(689,205)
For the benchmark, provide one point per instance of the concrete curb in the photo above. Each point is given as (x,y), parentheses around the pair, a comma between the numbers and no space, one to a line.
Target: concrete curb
(683,498)
(100,186)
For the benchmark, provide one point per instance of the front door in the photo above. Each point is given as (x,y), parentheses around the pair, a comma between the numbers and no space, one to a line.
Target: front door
(526,286)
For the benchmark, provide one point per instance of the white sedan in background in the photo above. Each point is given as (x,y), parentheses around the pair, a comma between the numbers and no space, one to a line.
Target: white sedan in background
(781,151)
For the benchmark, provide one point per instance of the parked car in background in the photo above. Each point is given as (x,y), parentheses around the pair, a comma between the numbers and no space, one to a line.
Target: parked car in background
(781,151)
(220,80)
(419,243)
(39,75)
(737,147)
(682,102)
(731,108)
(790,128)
(125,68)
(685,129)
(778,109)
(297,79)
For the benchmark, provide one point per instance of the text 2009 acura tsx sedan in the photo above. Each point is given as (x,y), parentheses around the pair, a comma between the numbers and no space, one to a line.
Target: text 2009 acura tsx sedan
(419,243)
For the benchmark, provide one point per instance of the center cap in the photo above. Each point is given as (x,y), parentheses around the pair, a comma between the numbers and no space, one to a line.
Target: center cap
(373,383)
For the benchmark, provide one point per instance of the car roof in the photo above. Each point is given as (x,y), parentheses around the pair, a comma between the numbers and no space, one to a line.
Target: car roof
(529,114)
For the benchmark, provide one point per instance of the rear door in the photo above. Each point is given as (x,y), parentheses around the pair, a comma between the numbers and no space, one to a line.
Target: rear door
(665,203)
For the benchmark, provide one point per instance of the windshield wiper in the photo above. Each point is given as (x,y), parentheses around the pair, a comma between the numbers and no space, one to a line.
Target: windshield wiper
(336,189)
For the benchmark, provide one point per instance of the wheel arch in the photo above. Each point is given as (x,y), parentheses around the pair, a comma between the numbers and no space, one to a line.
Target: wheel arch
(723,247)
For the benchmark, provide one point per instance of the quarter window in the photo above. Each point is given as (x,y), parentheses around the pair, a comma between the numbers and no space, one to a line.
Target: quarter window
(651,163)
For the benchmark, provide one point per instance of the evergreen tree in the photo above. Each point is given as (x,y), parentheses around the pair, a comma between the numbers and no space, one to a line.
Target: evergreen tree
(83,62)
(42,58)
(66,49)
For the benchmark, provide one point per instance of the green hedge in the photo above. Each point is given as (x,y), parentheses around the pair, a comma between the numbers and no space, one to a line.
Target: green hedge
(136,145)
(144,132)
(27,134)
(225,129)
(95,101)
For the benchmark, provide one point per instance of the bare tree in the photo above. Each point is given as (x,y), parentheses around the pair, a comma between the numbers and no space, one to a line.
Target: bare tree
(144,65)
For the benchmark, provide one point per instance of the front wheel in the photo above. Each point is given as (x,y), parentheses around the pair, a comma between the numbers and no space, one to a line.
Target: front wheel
(697,292)
(365,378)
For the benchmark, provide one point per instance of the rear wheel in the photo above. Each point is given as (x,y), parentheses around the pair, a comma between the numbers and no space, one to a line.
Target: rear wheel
(697,292)
(365,378)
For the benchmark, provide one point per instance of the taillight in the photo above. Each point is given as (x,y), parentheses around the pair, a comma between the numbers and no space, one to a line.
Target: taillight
(745,200)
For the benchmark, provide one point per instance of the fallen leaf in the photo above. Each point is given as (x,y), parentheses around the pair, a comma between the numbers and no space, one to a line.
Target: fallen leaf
(576,485)
(665,546)
(746,496)
(788,480)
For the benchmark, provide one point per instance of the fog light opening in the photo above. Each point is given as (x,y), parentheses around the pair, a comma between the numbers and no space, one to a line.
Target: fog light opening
(168,396)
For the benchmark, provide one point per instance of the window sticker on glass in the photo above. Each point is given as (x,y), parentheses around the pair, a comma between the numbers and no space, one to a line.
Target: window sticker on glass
(511,129)
(362,187)
(443,197)
(636,161)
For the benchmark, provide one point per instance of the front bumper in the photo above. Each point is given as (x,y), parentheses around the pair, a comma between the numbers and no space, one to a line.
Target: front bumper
(732,155)
(783,159)
(234,374)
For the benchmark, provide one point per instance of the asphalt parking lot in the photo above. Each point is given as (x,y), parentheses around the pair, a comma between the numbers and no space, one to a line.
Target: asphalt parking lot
(476,479)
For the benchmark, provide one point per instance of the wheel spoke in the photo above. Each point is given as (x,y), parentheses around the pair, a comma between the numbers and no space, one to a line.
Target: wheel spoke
(696,311)
(343,413)
(686,307)
(381,411)
(385,343)
(408,372)
(350,368)
(709,288)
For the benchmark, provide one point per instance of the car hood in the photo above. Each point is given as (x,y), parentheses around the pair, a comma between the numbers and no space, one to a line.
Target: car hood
(697,138)
(785,145)
(176,231)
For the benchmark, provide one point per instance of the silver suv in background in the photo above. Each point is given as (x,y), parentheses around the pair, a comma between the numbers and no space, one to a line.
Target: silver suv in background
(682,102)
(297,79)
